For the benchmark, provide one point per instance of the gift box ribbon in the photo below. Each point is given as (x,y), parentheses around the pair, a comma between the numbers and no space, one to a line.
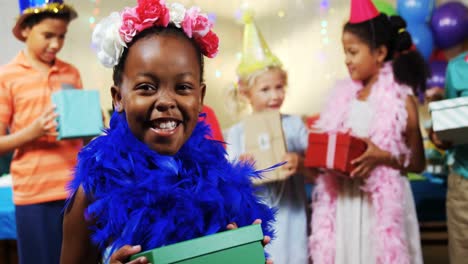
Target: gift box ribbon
(331,149)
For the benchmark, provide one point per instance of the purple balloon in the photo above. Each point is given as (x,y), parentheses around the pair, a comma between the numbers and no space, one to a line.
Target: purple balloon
(449,24)
(437,78)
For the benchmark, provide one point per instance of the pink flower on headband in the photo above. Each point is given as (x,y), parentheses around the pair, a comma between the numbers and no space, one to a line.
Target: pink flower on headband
(130,24)
(145,15)
(111,35)
(195,23)
(153,13)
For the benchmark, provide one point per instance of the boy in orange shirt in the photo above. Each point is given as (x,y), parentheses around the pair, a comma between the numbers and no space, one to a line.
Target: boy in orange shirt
(41,166)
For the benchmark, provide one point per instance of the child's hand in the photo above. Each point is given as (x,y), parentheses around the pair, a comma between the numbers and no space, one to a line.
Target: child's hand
(247,157)
(292,163)
(266,239)
(371,158)
(437,142)
(45,124)
(121,255)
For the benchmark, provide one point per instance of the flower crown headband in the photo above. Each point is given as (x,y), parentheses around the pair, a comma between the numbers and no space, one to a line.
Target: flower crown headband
(113,33)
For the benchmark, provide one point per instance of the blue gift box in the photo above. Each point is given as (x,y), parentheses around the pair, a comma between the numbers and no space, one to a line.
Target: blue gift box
(79,113)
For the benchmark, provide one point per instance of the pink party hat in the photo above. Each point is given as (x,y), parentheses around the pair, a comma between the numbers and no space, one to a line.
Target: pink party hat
(362,10)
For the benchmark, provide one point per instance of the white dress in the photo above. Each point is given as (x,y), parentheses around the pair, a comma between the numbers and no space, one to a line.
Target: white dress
(354,242)
(290,244)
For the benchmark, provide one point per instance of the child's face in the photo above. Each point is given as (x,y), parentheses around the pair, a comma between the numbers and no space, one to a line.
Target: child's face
(361,61)
(45,39)
(268,91)
(161,91)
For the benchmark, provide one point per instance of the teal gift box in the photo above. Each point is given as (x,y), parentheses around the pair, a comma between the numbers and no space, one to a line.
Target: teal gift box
(79,113)
(241,245)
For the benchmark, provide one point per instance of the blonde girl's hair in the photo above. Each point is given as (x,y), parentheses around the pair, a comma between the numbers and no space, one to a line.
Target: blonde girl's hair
(237,104)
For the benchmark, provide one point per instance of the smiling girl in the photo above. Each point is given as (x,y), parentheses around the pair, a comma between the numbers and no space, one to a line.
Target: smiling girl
(154,178)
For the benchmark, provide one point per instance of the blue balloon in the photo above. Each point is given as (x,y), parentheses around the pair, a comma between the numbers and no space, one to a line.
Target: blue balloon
(422,38)
(415,11)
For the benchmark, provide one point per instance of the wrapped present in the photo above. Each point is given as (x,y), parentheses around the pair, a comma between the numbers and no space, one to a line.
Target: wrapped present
(241,245)
(450,120)
(264,139)
(333,151)
(79,113)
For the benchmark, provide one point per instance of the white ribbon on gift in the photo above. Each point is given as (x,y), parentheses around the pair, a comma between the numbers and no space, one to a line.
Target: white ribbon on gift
(331,148)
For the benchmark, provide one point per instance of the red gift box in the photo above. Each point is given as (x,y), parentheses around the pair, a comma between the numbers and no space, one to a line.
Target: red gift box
(333,151)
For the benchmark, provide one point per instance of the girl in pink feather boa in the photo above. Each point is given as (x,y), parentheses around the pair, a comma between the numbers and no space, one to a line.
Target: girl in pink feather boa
(369,216)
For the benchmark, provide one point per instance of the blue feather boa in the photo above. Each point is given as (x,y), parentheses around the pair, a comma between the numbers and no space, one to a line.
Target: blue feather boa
(139,197)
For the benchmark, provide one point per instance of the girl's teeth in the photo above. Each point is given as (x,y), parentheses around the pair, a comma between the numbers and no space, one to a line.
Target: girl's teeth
(168,125)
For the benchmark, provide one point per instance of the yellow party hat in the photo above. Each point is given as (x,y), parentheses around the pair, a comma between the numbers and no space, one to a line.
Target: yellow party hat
(255,53)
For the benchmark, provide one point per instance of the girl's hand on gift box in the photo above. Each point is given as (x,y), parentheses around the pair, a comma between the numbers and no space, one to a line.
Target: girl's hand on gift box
(266,239)
(122,254)
(437,142)
(371,158)
(292,163)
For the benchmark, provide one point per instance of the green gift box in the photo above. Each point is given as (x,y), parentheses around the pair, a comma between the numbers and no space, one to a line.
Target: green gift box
(241,245)
(79,113)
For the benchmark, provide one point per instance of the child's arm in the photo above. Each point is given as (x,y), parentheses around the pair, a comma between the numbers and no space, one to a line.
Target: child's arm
(44,125)
(76,244)
(413,138)
(374,156)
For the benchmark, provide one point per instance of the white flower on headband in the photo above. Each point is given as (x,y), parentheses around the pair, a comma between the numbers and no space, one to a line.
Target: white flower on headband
(107,41)
(112,33)
(177,14)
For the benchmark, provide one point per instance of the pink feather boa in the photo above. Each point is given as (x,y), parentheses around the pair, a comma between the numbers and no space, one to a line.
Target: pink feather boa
(385,185)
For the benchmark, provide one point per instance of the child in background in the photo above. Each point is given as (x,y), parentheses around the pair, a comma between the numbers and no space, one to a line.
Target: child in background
(456,85)
(154,179)
(263,82)
(41,166)
(370,217)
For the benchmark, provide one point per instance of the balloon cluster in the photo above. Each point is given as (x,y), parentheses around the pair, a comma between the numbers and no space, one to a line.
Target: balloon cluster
(417,14)
(432,28)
